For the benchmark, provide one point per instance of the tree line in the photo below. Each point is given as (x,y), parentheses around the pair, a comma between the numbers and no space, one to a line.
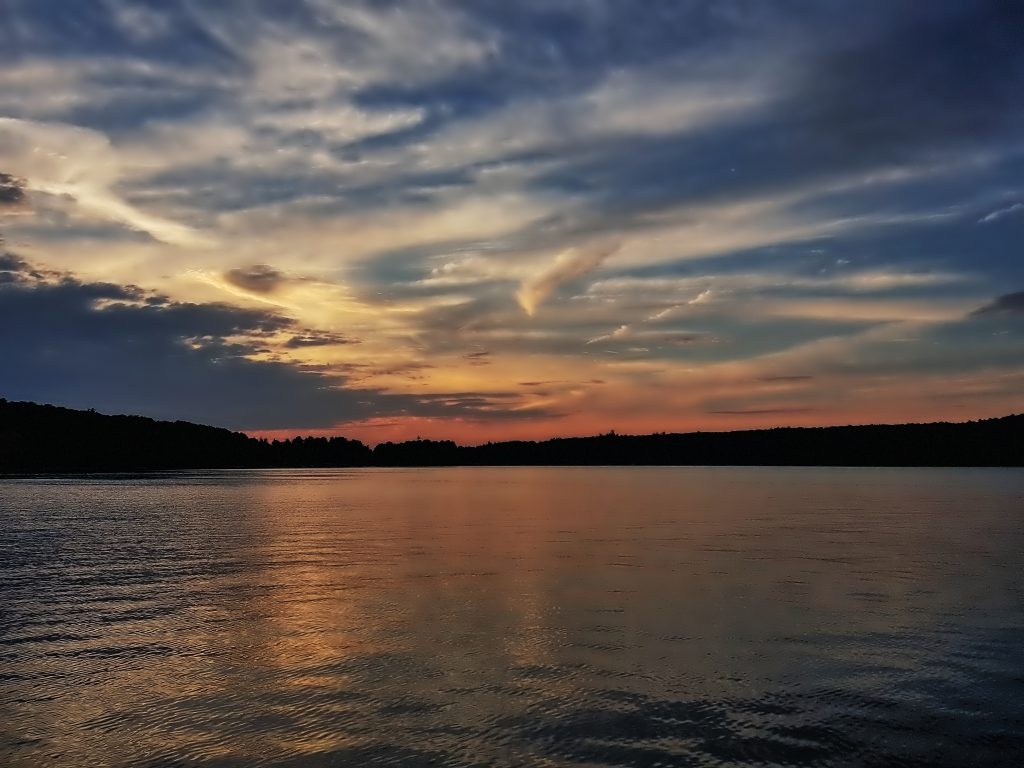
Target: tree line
(45,438)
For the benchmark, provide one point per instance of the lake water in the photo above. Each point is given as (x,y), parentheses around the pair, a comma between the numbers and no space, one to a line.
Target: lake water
(514,617)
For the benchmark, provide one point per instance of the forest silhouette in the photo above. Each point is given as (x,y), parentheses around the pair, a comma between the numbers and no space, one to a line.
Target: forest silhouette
(44,438)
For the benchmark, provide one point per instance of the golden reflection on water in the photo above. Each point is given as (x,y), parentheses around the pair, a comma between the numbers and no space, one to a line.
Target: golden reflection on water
(452,616)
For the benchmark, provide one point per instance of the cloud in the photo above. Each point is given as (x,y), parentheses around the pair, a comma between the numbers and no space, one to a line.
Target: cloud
(360,43)
(1008,304)
(777,177)
(258,278)
(12,191)
(654,337)
(339,124)
(770,280)
(11,263)
(624,106)
(80,165)
(627,331)
(568,266)
(317,339)
(140,23)
(123,349)
(1011,210)
(14,269)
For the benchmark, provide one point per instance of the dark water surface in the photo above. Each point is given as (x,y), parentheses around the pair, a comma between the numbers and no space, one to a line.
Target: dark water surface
(510,617)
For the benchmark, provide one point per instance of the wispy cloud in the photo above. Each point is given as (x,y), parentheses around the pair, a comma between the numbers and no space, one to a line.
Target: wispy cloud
(80,165)
(569,265)
(1007,304)
(671,200)
(1010,210)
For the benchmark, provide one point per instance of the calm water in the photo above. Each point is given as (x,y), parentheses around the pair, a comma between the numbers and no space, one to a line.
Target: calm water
(511,617)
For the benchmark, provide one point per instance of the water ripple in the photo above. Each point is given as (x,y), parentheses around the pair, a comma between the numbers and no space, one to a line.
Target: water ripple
(513,617)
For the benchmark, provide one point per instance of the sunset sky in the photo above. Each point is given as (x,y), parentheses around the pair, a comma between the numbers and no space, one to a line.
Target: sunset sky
(489,219)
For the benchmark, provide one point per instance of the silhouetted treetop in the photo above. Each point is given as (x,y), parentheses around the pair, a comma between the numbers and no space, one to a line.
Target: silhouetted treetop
(45,438)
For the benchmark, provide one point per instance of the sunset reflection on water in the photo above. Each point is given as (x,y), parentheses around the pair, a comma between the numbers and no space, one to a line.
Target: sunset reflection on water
(614,616)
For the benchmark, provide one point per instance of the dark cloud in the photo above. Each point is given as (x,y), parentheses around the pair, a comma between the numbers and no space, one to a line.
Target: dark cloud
(318,339)
(97,345)
(1008,304)
(12,190)
(785,378)
(11,263)
(413,370)
(258,278)
(124,350)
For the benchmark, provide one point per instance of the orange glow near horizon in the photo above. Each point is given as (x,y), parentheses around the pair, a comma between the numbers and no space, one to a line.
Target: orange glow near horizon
(372,433)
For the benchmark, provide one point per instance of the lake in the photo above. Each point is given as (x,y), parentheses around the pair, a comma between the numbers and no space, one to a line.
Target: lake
(620,616)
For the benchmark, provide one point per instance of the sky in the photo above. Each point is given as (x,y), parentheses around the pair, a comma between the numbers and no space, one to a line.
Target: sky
(484,219)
